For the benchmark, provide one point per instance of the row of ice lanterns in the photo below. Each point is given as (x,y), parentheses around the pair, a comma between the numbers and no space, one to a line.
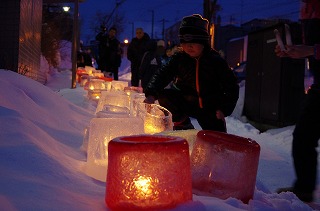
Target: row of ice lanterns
(146,165)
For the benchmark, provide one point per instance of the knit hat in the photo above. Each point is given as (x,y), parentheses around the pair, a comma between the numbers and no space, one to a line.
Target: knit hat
(161,43)
(194,29)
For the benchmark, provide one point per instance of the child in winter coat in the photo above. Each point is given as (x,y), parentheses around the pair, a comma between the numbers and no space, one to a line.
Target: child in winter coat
(204,86)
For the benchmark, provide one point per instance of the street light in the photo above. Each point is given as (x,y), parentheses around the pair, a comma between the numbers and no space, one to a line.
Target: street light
(66,8)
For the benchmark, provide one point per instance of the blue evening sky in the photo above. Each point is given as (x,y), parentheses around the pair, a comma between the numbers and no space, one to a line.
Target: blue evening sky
(138,13)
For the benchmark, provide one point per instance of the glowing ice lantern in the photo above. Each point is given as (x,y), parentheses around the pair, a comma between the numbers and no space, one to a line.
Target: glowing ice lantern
(148,172)
(94,95)
(120,99)
(135,99)
(81,72)
(224,165)
(95,84)
(133,89)
(155,117)
(101,131)
(118,85)
(89,69)
(84,79)
(113,111)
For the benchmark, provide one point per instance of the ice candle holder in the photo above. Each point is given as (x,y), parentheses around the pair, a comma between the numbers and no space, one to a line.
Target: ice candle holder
(95,84)
(116,98)
(155,117)
(118,85)
(224,165)
(148,172)
(101,132)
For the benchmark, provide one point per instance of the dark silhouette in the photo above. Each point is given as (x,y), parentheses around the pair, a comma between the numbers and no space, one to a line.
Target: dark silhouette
(109,52)
(136,50)
(306,133)
(152,60)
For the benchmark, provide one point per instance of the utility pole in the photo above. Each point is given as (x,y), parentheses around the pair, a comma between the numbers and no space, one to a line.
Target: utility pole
(75,45)
(132,29)
(163,27)
(114,9)
(152,23)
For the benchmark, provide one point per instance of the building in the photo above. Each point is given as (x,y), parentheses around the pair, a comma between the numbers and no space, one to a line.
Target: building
(20,42)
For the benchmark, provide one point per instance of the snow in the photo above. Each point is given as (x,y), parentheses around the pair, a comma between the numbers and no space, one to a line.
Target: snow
(42,161)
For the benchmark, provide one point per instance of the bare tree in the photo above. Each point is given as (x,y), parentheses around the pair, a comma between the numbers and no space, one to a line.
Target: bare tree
(104,19)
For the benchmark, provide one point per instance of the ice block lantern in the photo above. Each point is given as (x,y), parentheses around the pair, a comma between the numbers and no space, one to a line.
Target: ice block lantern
(94,95)
(135,99)
(84,79)
(155,117)
(113,111)
(80,72)
(89,69)
(118,98)
(148,172)
(101,131)
(224,165)
(133,89)
(95,84)
(118,85)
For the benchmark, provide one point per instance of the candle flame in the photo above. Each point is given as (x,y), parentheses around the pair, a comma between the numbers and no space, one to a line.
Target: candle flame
(143,184)
(145,187)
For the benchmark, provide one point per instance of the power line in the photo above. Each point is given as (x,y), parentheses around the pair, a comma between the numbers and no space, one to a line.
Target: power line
(266,9)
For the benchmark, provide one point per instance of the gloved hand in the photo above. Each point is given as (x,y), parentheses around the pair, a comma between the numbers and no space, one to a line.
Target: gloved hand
(219,115)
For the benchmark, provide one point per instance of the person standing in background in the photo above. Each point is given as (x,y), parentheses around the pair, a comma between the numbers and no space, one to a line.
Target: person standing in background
(113,53)
(306,133)
(136,50)
(101,38)
(84,57)
(151,61)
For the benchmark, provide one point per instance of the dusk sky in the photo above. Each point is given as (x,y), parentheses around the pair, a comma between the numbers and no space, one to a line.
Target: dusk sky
(138,13)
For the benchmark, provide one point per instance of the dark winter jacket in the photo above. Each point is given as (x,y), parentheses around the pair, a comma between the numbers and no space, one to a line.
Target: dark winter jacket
(137,48)
(151,62)
(218,88)
(109,50)
(113,52)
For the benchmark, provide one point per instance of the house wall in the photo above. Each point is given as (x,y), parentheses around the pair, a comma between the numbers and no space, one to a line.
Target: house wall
(20,40)
(30,39)
(9,38)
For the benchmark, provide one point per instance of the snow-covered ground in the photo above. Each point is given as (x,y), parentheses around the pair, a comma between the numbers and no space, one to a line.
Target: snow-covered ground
(41,159)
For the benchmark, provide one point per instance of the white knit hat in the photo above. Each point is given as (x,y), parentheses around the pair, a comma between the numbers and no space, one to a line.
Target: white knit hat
(161,43)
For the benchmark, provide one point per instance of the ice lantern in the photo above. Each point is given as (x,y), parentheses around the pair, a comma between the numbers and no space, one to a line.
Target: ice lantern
(101,131)
(155,117)
(224,165)
(148,172)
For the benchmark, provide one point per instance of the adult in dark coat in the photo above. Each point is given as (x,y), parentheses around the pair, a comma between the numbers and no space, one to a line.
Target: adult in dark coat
(101,38)
(204,86)
(306,134)
(152,60)
(136,49)
(114,53)
(110,59)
